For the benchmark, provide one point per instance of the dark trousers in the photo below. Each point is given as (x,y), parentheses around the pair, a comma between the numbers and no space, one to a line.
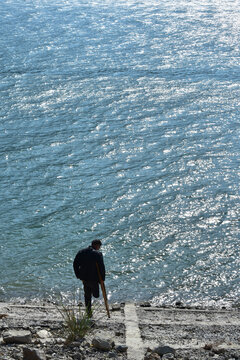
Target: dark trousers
(90,288)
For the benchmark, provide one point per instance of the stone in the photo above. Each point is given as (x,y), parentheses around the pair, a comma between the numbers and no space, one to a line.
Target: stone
(179,303)
(145,304)
(17,356)
(86,343)
(17,337)
(102,343)
(218,350)
(75,344)
(43,334)
(77,356)
(152,356)
(112,355)
(33,354)
(116,307)
(121,348)
(162,350)
(208,346)
(118,333)
(60,341)
(168,356)
(3,316)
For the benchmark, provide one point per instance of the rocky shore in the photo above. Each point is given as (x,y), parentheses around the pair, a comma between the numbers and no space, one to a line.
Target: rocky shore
(133,332)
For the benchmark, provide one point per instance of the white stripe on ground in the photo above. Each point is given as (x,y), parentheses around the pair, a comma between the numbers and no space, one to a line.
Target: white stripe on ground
(133,337)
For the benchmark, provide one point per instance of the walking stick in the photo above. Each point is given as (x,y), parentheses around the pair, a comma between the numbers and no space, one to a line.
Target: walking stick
(103,290)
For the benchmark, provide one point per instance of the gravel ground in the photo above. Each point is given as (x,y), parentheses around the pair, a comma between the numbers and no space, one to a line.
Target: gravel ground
(166,333)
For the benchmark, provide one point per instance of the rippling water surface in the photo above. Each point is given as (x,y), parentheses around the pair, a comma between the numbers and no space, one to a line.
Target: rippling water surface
(120,121)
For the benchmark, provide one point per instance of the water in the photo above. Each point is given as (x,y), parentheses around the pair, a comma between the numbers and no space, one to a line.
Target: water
(120,121)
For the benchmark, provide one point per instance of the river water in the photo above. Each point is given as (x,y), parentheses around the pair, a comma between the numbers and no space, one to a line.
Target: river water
(119,120)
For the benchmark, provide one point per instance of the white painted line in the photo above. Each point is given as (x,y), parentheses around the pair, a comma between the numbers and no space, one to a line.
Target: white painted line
(133,337)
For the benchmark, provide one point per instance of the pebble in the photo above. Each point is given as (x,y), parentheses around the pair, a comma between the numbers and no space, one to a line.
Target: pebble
(152,356)
(168,356)
(112,355)
(116,307)
(77,356)
(43,334)
(121,348)
(118,333)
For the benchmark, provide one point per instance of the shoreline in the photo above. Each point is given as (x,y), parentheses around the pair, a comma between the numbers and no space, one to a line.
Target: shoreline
(182,332)
(39,301)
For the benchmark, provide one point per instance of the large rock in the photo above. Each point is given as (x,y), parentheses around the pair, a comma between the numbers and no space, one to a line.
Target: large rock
(102,343)
(33,354)
(162,350)
(17,337)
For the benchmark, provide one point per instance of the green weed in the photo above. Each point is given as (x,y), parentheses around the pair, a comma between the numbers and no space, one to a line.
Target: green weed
(77,322)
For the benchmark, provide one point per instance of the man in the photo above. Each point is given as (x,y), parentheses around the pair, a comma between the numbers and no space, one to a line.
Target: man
(85,268)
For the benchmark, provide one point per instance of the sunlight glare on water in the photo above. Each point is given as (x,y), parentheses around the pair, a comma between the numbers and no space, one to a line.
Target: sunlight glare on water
(120,121)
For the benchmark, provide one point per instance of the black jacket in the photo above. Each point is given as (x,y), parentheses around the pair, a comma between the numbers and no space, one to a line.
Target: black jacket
(84,264)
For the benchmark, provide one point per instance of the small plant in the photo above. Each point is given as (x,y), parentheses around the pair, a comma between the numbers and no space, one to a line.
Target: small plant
(77,322)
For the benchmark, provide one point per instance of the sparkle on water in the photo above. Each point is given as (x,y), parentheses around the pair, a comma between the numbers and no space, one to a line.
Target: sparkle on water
(120,121)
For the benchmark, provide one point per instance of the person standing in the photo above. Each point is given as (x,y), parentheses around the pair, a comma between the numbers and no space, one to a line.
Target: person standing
(85,268)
